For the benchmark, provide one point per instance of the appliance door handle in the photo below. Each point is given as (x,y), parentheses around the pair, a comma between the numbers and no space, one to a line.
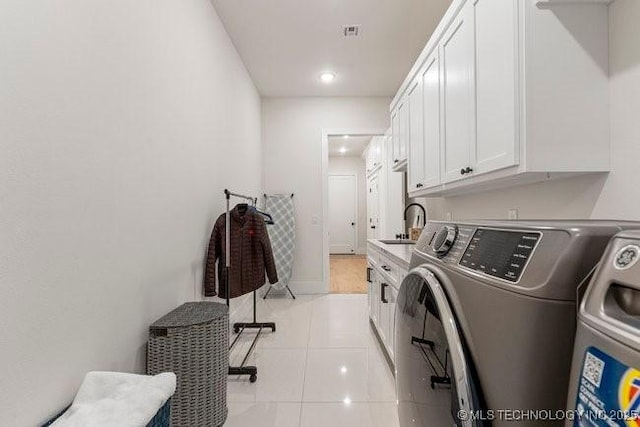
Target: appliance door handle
(383,294)
(369,269)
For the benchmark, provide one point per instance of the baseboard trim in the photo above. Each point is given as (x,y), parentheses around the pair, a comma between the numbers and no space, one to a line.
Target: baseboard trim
(309,287)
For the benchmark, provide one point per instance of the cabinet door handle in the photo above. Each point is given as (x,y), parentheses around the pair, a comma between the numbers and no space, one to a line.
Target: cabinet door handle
(462,171)
(383,294)
(418,185)
(369,269)
(386,268)
(396,161)
(373,227)
(468,170)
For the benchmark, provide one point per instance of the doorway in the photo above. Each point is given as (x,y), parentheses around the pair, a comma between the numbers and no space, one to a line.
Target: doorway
(346,217)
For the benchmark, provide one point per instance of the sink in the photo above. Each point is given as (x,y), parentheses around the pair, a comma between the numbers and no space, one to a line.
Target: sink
(398,242)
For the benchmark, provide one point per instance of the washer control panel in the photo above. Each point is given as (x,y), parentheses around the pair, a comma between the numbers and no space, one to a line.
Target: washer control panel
(446,242)
(500,253)
(444,239)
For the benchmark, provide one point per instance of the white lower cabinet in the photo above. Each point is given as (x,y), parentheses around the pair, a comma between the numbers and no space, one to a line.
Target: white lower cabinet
(388,298)
(384,277)
(373,293)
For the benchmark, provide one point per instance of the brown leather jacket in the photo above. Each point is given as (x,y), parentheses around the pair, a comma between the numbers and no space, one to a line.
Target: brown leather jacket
(251,254)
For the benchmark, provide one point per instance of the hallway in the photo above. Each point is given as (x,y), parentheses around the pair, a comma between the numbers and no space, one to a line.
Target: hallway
(348,274)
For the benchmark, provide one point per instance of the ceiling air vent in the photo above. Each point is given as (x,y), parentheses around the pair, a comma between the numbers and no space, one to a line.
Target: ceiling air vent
(351,30)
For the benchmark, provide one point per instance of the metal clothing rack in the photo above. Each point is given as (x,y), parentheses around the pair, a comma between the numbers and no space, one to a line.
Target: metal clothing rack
(240,327)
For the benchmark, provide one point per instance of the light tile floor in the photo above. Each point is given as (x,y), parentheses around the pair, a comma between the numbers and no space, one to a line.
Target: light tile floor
(322,367)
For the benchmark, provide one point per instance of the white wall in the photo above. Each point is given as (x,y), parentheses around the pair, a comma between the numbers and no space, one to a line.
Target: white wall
(122,122)
(355,166)
(615,196)
(292,153)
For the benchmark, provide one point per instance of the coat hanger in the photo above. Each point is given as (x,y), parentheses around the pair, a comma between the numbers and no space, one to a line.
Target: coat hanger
(268,219)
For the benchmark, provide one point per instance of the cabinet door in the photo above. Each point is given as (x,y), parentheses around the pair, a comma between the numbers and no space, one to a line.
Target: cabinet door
(385,312)
(392,221)
(416,142)
(431,113)
(496,36)
(458,63)
(392,297)
(373,206)
(374,295)
(403,123)
(395,136)
(377,153)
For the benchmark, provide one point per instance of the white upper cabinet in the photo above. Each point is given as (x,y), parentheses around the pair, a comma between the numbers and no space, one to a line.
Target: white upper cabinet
(424,127)
(415,166)
(400,135)
(384,190)
(496,84)
(374,155)
(403,142)
(395,136)
(458,91)
(430,76)
(511,93)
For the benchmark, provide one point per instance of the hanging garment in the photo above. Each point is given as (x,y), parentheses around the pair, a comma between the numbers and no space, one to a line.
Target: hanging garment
(250,255)
(283,235)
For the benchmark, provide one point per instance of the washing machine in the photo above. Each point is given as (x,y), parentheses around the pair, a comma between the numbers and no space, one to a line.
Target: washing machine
(605,378)
(485,320)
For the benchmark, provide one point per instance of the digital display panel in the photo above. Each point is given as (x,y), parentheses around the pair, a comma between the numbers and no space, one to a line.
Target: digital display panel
(498,253)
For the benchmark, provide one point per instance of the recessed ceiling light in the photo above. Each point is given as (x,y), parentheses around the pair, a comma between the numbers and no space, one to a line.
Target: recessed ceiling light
(327,77)
(346,136)
(343,150)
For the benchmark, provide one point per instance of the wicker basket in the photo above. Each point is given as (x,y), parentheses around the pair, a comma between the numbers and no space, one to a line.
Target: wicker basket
(193,341)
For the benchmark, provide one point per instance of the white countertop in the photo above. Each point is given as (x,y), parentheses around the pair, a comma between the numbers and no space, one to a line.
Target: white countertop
(401,254)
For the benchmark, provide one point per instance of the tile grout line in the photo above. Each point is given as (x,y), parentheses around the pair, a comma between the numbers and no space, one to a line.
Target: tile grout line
(306,363)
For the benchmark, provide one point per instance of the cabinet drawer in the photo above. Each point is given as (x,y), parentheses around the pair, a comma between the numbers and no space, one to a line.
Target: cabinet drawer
(391,271)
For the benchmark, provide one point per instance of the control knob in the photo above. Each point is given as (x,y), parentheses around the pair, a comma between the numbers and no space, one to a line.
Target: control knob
(444,240)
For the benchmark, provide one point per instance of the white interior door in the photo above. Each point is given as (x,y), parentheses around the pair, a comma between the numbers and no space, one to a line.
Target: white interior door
(343,192)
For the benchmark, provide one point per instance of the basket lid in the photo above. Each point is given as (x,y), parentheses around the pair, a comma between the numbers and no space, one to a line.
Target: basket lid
(192,313)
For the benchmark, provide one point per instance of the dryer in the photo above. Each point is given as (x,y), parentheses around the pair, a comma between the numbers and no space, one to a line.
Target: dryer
(485,319)
(605,379)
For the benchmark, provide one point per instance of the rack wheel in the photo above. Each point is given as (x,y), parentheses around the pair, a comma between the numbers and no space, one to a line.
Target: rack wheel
(253,378)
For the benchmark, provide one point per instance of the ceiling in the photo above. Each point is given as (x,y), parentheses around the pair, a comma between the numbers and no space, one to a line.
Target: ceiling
(286,44)
(355,145)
